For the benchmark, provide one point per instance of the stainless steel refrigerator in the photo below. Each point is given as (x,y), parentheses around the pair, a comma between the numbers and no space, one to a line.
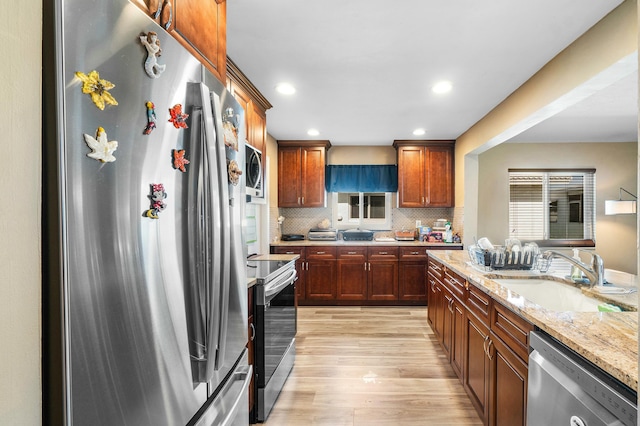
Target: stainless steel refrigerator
(144,283)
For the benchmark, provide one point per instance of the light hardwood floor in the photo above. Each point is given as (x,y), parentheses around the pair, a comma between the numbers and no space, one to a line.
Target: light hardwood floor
(370,366)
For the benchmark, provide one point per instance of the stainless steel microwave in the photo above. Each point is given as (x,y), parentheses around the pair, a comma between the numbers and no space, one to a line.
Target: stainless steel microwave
(254,173)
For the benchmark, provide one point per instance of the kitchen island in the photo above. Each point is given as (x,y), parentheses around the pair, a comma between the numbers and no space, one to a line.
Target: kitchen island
(607,339)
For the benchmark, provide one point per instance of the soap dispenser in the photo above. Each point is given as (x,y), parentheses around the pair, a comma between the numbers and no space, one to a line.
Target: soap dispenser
(576,273)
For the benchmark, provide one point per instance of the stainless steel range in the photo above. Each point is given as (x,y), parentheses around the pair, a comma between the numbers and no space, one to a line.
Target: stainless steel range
(276,325)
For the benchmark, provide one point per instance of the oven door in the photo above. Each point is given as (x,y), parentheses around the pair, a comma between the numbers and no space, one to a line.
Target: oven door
(276,325)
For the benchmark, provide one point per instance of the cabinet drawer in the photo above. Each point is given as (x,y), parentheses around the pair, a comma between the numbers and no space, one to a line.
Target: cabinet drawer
(479,303)
(436,269)
(352,253)
(321,253)
(383,253)
(413,254)
(456,284)
(288,250)
(512,329)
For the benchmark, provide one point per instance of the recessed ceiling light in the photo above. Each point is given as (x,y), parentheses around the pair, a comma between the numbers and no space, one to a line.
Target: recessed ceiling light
(285,88)
(442,87)
(419,132)
(313,132)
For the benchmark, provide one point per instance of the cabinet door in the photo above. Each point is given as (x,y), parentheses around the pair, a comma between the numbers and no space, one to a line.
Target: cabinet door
(447,324)
(352,273)
(383,280)
(413,281)
(508,394)
(439,311)
(431,300)
(321,280)
(476,365)
(439,176)
(201,26)
(289,182)
(411,176)
(457,338)
(312,177)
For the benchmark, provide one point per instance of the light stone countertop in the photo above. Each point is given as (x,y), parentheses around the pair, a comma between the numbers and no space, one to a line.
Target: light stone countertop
(414,243)
(607,339)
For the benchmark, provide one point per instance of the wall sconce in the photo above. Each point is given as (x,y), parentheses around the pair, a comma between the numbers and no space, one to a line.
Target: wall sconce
(621,206)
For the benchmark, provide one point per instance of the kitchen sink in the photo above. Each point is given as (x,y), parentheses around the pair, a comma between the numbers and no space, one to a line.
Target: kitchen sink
(551,295)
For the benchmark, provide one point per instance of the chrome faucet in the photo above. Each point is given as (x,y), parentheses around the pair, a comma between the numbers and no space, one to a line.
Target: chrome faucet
(594,273)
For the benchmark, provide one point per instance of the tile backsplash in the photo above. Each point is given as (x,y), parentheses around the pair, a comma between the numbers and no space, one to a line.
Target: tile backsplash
(300,220)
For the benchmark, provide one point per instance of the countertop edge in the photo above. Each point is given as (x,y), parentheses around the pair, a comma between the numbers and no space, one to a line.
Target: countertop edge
(608,340)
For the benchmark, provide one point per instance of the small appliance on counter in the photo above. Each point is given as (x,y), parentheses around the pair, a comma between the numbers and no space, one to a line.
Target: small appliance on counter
(405,235)
(292,237)
(357,235)
(322,234)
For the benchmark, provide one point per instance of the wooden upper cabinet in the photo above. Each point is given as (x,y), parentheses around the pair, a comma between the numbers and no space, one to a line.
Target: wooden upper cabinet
(425,173)
(255,106)
(200,26)
(301,173)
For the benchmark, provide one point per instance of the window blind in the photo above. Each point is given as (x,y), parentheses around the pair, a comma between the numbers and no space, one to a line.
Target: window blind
(552,204)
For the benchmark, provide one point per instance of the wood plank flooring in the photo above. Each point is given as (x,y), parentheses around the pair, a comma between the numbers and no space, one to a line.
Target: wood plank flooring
(370,366)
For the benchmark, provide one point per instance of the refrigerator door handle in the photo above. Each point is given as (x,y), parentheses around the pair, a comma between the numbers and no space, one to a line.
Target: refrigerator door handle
(219,193)
(225,228)
(210,243)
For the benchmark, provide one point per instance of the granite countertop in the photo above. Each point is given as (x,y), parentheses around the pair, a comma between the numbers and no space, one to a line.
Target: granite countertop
(374,242)
(607,339)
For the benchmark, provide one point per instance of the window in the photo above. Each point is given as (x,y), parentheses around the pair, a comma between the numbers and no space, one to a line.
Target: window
(368,210)
(552,207)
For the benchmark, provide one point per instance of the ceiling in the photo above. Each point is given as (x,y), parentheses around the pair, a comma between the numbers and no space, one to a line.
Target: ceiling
(364,70)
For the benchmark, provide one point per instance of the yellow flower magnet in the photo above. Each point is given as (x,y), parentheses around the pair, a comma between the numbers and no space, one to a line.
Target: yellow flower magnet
(97,88)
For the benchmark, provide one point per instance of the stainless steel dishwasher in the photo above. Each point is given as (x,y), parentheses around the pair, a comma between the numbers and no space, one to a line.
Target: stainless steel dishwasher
(565,389)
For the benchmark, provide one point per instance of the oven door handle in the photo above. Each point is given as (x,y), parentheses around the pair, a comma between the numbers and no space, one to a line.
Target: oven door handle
(275,286)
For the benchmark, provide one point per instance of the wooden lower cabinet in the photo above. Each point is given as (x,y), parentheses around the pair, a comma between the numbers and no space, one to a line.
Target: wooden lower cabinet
(412,278)
(383,280)
(458,317)
(485,343)
(476,369)
(508,391)
(352,273)
(320,280)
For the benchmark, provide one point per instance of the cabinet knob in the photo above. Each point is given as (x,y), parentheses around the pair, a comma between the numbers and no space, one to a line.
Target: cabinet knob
(320,252)
(352,252)
(383,252)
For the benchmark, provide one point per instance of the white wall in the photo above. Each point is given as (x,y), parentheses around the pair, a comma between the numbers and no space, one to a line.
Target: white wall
(615,164)
(20,118)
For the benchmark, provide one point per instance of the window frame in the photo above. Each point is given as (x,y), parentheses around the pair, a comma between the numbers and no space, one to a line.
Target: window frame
(372,224)
(547,201)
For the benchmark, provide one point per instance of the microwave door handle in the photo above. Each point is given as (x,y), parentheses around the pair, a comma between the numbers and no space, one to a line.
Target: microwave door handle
(273,288)
(216,145)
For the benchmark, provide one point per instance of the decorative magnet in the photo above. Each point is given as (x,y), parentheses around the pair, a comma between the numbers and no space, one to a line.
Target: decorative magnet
(230,129)
(157,201)
(151,65)
(178,160)
(178,117)
(98,88)
(234,172)
(103,149)
(151,117)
